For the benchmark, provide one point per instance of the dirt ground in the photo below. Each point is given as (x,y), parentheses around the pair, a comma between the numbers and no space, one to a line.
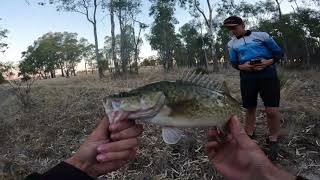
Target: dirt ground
(64,111)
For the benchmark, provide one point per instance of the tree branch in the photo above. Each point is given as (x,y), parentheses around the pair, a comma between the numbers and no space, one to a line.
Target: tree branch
(95,11)
(87,11)
(209,6)
(201,11)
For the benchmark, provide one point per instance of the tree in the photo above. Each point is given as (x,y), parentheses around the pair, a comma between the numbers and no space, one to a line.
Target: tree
(6,70)
(50,52)
(3,35)
(221,45)
(72,52)
(137,42)
(194,46)
(3,47)
(126,12)
(87,54)
(209,24)
(150,61)
(88,8)
(113,39)
(162,31)
(296,36)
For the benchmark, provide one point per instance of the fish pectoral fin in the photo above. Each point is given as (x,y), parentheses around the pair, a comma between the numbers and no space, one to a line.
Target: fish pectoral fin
(171,135)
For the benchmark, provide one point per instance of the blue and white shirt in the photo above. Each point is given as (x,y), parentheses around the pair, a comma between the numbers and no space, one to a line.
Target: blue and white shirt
(254,45)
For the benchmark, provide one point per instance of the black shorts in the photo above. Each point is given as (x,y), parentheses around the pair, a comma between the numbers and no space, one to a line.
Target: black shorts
(269,90)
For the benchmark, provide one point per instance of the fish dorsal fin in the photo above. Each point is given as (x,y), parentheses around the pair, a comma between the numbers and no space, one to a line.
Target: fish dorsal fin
(199,79)
(171,135)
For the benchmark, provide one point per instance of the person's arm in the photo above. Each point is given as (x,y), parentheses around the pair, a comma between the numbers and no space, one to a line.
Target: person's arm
(98,155)
(61,171)
(238,157)
(233,56)
(276,51)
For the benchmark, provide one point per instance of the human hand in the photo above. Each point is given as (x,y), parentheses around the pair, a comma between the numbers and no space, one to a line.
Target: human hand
(238,157)
(246,66)
(264,63)
(98,155)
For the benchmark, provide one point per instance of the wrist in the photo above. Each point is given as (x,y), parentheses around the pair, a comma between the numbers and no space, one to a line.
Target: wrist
(81,165)
(270,61)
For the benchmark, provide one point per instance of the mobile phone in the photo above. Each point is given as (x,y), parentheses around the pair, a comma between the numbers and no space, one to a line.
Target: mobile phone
(255,61)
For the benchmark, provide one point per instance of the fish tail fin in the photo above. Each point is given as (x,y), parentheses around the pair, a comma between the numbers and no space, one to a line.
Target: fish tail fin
(227,92)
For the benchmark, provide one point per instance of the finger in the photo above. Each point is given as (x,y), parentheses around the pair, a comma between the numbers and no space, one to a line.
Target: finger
(212,144)
(213,133)
(112,156)
(101,130)
(122,125)
(238,131)
(211,154)
(118,145)
(131,132)
(120,116)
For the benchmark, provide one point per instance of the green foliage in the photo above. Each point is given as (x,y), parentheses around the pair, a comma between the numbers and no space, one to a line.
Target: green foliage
(163,37)
(150,61)
(296,27)
(53,51)
(6,70)
(3,35)
(191,51)
(127,48)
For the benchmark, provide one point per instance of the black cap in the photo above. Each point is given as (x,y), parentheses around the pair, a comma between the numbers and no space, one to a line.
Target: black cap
(233,21)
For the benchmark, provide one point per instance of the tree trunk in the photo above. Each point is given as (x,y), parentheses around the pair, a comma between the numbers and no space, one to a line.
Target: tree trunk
(113,39)
(74,71)
(136,51)
(94,23)
(284,38)
(305,42)
(214,59)
(97,51)
(204,50)
(67,73)
(62,71)
(210,31)
(307,51)
(53,74)
(85,67)
(123,59)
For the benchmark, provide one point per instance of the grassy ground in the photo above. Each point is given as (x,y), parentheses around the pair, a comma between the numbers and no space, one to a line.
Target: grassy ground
(64,111)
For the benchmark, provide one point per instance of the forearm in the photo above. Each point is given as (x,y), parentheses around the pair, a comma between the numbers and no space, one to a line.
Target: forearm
(236,66)
(63,170)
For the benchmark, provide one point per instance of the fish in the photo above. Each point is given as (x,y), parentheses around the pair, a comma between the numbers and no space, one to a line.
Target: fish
(194,100)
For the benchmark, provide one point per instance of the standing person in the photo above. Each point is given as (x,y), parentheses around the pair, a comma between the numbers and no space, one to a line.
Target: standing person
(255,55)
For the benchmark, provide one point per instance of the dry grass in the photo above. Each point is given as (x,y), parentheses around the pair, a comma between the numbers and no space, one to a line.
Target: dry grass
(66,110)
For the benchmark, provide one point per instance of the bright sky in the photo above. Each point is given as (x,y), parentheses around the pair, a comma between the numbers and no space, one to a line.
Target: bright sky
(28,22)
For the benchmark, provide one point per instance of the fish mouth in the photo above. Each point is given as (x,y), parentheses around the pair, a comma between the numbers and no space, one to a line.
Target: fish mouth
(137,110)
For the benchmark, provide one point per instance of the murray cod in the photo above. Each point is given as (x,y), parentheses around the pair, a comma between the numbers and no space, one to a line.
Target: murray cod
(192,101)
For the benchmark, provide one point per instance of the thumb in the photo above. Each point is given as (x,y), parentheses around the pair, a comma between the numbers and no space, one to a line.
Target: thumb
(101,131)
(238,131)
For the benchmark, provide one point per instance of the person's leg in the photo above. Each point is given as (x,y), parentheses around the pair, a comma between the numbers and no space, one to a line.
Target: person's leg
(249,94)
(270,94)
(273,118)
(250,123)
